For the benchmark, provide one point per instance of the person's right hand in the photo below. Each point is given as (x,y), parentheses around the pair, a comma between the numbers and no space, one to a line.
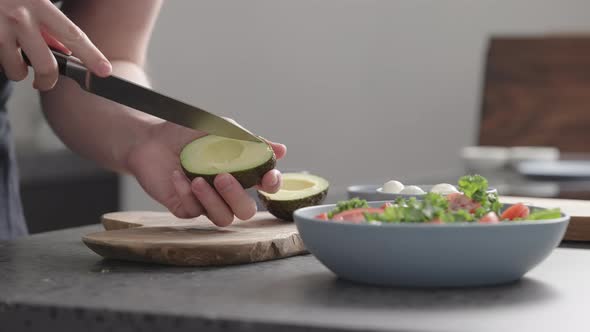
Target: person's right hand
(34,26)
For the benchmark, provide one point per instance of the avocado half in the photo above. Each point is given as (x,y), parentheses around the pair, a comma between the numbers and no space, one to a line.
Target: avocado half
(297,190)
(211,155)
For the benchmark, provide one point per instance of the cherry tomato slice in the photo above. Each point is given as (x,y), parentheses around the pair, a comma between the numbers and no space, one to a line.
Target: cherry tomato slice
(322,216)
(490,218)
(518,210)
(458,201)
(356,215)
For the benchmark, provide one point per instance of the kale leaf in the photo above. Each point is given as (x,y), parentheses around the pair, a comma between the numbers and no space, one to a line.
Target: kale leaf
(348,205)
(474,187)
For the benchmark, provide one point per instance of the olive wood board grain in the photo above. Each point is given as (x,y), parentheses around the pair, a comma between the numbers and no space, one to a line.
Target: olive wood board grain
(579,210)
(159,237)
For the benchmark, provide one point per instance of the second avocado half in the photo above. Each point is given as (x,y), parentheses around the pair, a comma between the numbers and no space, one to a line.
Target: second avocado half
(298,190)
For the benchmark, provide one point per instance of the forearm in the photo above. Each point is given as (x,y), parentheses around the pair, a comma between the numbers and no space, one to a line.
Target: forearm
(94,127)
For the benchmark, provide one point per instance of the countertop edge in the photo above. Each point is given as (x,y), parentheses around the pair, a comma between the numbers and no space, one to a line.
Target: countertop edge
(17,316)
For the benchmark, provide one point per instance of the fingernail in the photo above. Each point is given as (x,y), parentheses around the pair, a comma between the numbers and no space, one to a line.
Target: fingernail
(198,184)
(275,178)
(104,67)
(223,183)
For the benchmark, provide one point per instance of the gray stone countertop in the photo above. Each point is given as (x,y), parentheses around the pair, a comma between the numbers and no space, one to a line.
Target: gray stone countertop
(52,282)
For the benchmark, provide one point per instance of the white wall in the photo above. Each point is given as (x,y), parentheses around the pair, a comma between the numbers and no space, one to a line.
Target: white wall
(359,90)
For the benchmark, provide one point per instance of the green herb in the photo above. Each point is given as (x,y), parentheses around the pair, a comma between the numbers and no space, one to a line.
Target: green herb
(371,216)
(457,216)
(474,187)
(494,200)
(544,214)
(348,205)
(480,212)
(447,217)
(400,201)
(435,206)
(432,206)
(463,215)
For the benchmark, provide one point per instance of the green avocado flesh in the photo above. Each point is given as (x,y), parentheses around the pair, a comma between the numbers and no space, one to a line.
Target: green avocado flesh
(297,190)
(211,155)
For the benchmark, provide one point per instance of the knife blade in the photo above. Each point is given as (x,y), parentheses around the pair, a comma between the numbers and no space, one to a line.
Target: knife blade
(127,93)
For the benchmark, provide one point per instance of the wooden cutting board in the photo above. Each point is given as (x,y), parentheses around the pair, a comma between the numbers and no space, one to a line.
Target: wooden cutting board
(579,226)
(159,237)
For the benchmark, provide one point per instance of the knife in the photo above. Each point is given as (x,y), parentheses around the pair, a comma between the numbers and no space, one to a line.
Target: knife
(146,100)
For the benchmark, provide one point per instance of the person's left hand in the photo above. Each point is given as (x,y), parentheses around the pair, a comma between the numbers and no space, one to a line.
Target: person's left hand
(155,162)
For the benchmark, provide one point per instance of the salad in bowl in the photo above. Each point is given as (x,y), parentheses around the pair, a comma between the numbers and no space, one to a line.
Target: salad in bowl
(463,239)
(472,202)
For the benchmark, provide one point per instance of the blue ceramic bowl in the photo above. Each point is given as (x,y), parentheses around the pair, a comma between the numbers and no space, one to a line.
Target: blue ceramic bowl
(429,255)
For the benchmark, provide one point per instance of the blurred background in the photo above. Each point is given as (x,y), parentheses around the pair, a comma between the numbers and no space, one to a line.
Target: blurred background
(359,91)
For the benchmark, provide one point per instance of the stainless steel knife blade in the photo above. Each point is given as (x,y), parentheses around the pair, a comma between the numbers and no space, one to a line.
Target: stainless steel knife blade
(149,101)
(161,106)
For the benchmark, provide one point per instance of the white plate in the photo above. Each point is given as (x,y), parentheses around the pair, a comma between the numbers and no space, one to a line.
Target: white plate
(565,169)
(373,192)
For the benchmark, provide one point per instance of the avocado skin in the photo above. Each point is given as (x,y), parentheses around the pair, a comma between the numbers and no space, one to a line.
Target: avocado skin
(247,178)
(284,209)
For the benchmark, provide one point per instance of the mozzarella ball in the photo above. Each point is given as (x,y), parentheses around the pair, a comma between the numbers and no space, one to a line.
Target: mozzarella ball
(392,187)
(444,189)
(412,190)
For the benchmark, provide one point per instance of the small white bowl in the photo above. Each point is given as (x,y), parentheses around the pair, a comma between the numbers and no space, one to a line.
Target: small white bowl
(520,154)
(482,158)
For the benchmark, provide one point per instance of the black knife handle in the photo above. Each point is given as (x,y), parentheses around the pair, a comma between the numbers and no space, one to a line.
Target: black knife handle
(68,67)
(62,60)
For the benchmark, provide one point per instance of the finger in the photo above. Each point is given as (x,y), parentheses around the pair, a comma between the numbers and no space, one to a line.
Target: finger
(177,209)
(271,182)
(183,189)
(59,25)
(13,64)
(242,205)
(31,41)
(54,43)
(217,211)
(279,149)
(10,58)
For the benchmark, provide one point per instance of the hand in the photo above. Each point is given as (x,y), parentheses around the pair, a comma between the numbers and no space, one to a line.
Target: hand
(34,25)
(155,163)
